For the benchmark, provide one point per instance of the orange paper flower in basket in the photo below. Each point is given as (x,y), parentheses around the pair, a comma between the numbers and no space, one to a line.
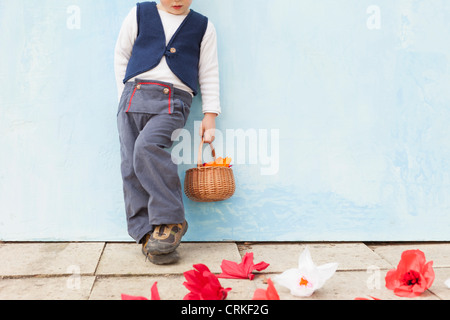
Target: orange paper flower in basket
(219,162)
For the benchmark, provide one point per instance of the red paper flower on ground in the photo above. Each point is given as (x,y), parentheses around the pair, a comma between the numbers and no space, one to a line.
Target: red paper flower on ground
(269,294)
(154,294)
(243,270)
(203,285)
(362,298)
(413,275)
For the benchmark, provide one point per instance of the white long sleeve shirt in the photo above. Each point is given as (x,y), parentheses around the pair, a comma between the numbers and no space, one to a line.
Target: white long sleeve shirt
(208,64)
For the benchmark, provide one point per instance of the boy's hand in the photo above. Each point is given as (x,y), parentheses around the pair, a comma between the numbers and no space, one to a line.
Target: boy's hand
(208,127)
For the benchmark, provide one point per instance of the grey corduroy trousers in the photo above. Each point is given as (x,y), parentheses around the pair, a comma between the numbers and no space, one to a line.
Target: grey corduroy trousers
(149,113)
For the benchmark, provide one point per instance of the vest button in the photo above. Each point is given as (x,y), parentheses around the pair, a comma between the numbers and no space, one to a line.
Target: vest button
(173,50)
(166,90)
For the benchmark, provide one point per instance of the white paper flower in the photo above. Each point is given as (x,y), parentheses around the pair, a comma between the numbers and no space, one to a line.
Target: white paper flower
(307,278)
(447,283)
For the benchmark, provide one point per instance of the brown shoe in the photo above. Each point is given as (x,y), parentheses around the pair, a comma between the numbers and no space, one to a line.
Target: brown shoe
(163,259)
(166,238)
(160,259)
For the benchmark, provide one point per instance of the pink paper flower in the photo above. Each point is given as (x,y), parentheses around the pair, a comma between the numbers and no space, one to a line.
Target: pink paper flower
(243,270)
(412,276)
(269,294)
(154,294)
(203,285)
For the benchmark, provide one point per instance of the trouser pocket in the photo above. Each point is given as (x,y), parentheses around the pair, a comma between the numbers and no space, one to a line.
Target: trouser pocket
(151,97)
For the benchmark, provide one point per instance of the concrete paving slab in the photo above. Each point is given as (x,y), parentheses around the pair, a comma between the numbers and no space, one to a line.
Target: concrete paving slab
(438,253)
(438,287)
(127,258)
(241,289)
(170,287)
(28,259)
(350,256)
(52,288)
(348,285)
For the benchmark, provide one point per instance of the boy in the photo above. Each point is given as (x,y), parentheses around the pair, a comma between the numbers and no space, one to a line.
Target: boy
(162,53)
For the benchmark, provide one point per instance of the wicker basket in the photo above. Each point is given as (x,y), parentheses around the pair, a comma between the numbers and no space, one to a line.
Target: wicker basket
(209,184)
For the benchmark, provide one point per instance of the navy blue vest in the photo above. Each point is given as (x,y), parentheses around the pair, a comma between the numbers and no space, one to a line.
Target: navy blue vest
(182,53)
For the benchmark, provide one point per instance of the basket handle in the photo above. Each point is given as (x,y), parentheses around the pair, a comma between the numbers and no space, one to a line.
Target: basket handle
(200,152)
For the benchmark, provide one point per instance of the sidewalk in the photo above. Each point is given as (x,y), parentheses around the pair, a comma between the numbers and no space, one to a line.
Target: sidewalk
(81,271)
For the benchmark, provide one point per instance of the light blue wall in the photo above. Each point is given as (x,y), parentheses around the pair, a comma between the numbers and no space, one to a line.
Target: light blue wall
(345,105)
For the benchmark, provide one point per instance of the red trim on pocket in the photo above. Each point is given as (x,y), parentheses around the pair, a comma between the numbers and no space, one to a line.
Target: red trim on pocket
(154,83)
(131,99)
